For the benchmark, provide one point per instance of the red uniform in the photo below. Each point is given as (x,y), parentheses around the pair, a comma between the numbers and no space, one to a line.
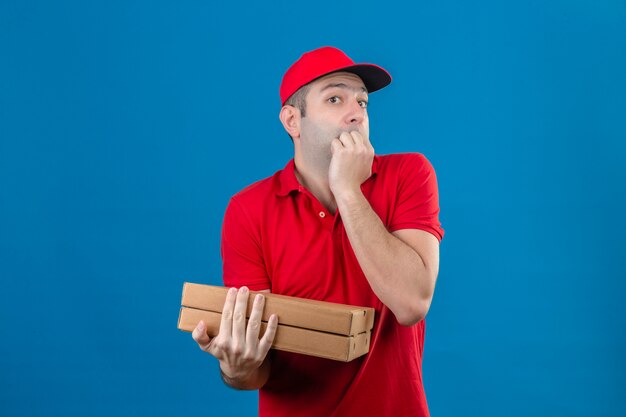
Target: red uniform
(276,235)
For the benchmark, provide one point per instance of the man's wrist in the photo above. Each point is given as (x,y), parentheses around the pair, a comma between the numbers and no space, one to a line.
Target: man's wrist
(349,198)
(233,381)
(247,381)
(227,379)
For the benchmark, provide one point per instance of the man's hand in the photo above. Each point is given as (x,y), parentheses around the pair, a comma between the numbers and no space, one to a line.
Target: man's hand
(240,352)
(351,163)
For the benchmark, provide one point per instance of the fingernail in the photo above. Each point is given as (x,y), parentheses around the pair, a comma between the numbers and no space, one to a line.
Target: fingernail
(258,297)
(232,290)
(244,290)
(201,326)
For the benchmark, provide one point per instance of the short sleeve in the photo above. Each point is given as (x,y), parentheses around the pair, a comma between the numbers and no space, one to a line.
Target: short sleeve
(242,256)
(417,202)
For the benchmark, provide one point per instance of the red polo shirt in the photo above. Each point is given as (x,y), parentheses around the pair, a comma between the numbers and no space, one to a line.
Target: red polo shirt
(276,235)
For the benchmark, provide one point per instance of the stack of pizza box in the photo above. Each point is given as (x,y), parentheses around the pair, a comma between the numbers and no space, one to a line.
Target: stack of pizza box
(310,327)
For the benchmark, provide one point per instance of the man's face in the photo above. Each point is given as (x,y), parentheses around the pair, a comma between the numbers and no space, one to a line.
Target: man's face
(335,103)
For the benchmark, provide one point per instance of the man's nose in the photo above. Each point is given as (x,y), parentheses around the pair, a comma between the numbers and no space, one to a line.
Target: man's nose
(356,113)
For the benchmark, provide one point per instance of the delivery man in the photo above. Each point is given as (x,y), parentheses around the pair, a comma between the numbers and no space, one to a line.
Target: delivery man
(338,223)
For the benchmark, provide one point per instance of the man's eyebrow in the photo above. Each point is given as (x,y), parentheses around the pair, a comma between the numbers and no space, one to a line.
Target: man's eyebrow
(342,85)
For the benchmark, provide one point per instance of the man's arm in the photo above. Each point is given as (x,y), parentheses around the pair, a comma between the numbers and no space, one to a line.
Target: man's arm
(401,267)
(242,355)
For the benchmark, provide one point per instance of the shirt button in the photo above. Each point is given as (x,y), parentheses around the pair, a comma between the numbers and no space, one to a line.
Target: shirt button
(322,214)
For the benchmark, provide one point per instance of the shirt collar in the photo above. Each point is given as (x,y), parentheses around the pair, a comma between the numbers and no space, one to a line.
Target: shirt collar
(288,181)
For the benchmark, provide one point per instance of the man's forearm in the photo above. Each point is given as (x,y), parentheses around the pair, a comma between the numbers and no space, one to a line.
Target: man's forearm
(253,381)
(396,272)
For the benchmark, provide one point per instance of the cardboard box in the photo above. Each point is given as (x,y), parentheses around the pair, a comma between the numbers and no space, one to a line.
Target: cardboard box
(291,311)
(288,338)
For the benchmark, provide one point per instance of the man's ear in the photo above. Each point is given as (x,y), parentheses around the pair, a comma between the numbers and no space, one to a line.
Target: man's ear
(290,118)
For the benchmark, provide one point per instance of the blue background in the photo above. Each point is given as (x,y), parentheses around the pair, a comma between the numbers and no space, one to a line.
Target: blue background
(125,126)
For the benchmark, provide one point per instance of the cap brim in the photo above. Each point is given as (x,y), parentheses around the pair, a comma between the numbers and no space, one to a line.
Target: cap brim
(373,76)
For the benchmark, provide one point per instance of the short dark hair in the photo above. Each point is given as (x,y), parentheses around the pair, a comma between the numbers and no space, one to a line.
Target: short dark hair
(298,99)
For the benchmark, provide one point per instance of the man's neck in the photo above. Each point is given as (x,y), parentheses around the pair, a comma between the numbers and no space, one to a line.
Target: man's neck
(314,177)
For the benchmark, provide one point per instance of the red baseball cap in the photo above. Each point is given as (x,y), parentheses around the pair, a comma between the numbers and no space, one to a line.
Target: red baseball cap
(322,61)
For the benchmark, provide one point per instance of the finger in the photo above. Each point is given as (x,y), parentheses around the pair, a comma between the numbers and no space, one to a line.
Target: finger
(361,140)
(201,337)
(366,139)
(239,317)
(254,323)
(357,138)
(346,140)
(368,144)
(335,146)
(226,324)
(268,338)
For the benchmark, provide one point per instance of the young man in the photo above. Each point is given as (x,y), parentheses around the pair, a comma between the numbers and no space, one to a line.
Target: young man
(339,224)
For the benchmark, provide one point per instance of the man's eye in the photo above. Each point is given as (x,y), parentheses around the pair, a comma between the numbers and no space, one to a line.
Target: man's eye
(363,104)
(334,99)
